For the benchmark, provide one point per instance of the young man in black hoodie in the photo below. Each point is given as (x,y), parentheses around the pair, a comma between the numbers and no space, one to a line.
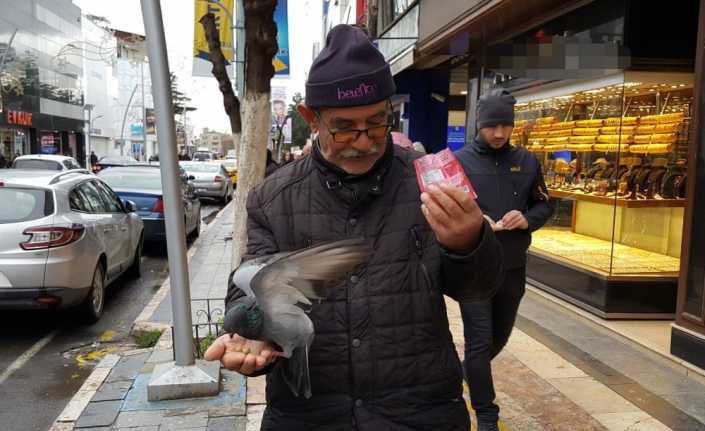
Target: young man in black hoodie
(513,197)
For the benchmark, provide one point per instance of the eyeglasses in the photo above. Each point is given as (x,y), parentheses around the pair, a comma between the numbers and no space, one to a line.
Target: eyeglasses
(348,136)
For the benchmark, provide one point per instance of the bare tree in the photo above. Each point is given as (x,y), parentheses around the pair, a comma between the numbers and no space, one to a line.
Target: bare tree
(230,102)
(260,48)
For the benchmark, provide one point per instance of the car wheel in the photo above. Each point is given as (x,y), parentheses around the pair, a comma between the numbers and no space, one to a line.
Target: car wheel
(135,269)
(92,306)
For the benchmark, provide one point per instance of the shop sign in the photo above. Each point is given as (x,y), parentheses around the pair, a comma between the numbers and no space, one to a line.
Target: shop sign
(48,142)
(456,137)
(19,118)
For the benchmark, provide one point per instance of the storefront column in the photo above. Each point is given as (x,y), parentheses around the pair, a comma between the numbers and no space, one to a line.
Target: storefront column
(688,333)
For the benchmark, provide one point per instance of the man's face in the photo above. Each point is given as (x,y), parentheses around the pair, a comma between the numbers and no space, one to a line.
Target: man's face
(497,136)
(353,152)
(278,109)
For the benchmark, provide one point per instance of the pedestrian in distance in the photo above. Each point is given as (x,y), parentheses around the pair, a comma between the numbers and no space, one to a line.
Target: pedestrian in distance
(270,164)
(382,356)
(514,199)
(93,159)
(3,161)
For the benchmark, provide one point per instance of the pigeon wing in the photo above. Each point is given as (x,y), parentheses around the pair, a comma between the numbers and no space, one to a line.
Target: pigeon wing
(300,276)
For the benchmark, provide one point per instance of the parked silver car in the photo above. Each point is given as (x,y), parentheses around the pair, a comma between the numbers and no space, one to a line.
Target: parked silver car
(64,237)
(211,180)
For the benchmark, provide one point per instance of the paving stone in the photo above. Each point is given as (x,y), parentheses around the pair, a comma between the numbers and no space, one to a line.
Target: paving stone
(161,356)
(227,423)
(185,420)
(139,418)
(128,368)
(99,414)
(112,391)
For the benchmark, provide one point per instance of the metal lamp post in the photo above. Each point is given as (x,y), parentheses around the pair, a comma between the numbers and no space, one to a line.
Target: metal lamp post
(184,378)
(87,144)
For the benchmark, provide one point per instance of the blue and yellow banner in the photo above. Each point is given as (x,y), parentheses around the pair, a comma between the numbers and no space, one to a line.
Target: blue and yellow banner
(223,11)
(281,19)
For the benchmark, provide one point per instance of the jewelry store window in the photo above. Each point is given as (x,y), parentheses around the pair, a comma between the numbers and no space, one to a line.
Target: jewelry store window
(612,141)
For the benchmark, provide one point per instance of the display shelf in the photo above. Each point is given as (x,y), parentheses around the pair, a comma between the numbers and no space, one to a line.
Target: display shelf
(601,256)
(622,202)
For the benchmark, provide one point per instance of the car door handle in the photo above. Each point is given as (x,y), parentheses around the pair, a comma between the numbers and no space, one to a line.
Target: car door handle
(124,228)
(107,230)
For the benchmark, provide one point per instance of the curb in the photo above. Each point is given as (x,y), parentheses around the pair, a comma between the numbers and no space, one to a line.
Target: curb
(73,410)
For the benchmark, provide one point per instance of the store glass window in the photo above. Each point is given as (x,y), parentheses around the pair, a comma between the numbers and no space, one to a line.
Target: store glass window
(612,139)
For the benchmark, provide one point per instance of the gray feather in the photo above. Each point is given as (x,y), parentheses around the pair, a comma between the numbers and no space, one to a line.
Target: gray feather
(282,283)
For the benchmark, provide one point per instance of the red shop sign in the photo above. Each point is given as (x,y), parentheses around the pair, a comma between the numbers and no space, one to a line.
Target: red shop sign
(19,118)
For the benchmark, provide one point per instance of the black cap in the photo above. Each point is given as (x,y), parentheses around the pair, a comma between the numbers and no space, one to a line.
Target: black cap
(495,108)
(349,71)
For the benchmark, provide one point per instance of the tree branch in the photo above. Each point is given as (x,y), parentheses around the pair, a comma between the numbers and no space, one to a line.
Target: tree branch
(230,102)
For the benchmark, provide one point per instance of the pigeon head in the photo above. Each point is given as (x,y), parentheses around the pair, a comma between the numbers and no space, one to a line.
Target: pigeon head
(245,319)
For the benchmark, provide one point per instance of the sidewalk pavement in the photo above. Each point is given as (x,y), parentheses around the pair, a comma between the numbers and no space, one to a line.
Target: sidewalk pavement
(558,372)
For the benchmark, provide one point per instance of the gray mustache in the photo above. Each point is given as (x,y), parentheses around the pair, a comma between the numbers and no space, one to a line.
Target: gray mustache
(353,153)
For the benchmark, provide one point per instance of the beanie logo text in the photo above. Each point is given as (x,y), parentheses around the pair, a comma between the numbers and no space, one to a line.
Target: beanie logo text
(361,90)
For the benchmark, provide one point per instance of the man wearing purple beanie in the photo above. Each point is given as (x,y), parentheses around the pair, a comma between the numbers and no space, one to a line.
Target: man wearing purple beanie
(383,357)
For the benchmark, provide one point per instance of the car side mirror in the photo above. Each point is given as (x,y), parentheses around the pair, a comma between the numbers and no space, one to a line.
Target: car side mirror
(191,178)
(130,206)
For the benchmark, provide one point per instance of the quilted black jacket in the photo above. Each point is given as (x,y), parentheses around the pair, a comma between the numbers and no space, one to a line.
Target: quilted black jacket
(383,357)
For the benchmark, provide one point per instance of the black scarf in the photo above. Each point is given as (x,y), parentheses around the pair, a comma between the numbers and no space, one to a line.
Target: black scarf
(354,189)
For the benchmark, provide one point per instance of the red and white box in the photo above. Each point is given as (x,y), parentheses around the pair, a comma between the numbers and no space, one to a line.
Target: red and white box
(442,167)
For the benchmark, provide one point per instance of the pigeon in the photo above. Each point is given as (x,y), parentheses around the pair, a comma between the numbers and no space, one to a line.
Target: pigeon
(279,289)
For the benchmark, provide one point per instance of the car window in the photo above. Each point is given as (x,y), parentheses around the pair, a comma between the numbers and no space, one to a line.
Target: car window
(67,164)
(37,164)
(130,179)
(74,164)
(78,201)
(111,201)
(93,198)
(21,205)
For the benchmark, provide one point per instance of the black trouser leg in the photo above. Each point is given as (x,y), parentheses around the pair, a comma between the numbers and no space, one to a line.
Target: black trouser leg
(487,326)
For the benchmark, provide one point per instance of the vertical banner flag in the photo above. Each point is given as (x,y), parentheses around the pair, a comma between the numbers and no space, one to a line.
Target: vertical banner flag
(281,60)
(223,11)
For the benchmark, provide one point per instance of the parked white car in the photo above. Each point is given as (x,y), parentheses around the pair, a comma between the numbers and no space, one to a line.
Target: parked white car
(64,237)
(49,162)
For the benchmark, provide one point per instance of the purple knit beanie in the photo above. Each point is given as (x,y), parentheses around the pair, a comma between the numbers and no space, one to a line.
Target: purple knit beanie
(349,71)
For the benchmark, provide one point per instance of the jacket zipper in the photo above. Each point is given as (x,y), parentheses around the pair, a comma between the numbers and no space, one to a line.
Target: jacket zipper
(418,244)
(496,171)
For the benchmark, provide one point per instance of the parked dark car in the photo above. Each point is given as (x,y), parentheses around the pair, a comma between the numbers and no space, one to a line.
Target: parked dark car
(112,161)
(142,185)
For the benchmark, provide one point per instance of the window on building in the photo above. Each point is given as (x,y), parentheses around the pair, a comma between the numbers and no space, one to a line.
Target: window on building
(390,10)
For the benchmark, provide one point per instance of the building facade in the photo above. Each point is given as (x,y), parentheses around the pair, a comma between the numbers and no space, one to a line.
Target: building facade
(612,110)
(42,108)
(216,142)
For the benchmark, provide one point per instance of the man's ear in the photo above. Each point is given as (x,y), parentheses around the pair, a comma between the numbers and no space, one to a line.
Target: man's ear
(308,115)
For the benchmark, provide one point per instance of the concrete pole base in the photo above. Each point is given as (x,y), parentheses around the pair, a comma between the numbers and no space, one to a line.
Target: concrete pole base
(173,382)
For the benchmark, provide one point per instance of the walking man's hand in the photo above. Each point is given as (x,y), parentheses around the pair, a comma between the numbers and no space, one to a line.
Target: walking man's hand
(454,217)
(240,354)
(514,220)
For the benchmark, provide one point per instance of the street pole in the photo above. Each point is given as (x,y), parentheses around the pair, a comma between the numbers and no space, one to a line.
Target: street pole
(144,114)
(124,118)
(182,378)
(89,107)
(240,52)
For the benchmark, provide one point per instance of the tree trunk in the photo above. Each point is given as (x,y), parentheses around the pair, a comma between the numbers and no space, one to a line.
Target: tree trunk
(260,48)
(230,102)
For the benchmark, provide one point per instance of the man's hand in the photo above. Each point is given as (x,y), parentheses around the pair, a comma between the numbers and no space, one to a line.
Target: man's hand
(240,354)
(454,217)
(514,220)
(496,227)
